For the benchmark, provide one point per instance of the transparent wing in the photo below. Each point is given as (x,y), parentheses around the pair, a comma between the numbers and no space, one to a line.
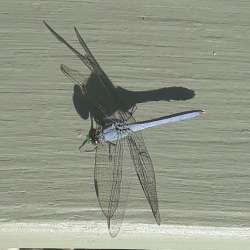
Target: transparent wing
(118,216)
(145,171)
(111,185)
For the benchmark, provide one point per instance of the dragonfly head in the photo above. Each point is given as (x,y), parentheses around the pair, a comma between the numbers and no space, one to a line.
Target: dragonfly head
(90,138)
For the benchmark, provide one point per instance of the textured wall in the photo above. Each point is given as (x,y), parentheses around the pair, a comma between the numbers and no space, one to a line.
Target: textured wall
(202,166)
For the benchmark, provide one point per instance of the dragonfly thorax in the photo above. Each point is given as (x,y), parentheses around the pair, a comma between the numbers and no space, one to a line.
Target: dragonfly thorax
(93,135)
(121,126)
(114,132)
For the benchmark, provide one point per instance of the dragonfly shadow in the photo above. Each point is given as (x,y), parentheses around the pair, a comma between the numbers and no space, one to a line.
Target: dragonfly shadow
(98,97)
(128,99)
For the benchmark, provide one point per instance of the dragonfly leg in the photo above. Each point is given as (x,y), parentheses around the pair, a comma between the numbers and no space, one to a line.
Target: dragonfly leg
(91,150)
(84,142)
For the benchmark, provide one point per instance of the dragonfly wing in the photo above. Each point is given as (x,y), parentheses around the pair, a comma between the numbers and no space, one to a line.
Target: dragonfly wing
(118,216)
(110,183)
(145,171)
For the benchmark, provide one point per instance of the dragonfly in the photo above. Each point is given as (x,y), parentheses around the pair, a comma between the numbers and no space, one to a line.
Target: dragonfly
(117,139)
